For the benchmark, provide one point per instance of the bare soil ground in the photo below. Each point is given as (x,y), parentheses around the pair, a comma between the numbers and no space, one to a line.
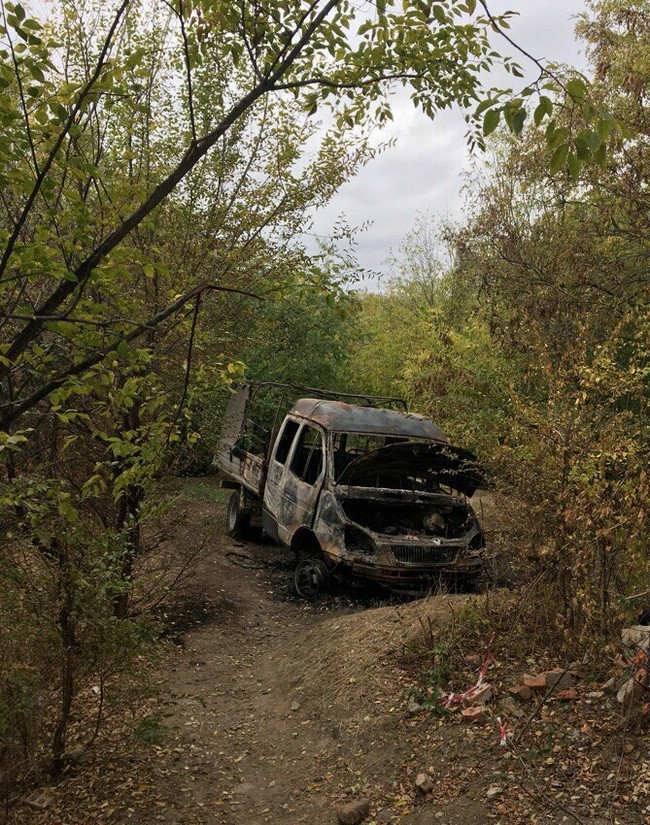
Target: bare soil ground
(275,711)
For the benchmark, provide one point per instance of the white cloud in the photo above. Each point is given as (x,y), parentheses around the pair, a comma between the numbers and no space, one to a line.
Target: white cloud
(423,171)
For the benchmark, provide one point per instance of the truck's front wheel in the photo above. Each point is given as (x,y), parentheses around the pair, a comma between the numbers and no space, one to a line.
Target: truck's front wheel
(310,578)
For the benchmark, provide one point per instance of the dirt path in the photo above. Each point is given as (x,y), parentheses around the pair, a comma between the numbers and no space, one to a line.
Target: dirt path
(269,711)
(252,747)
(282,711)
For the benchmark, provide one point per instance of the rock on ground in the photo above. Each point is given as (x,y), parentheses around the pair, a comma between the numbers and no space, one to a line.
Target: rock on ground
(354,812)
(424,783)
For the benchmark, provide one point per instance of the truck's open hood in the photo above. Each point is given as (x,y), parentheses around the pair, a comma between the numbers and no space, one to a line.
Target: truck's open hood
(441,463)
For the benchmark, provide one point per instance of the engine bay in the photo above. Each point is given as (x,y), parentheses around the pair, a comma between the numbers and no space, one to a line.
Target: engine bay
(443,518)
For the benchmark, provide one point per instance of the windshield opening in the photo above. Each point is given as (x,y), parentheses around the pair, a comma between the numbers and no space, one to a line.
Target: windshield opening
(349,446)
(402,471)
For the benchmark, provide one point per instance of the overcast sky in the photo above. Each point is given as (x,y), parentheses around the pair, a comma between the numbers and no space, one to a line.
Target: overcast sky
(422,173)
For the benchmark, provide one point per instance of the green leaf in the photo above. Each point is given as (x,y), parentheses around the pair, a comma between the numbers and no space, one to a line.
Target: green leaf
(575,165)
(600,155)
(558,158)
(592,140)
(518,119)
(483,105)
(60,111)
(588,113)
(491,121)
(550,128)
(37,73)
(577,89)
(439,14)
(544,108)
(623,129)
(582,150)
(557,137)
(604,128)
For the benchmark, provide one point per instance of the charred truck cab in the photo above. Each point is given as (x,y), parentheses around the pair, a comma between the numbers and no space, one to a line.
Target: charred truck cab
(358,489)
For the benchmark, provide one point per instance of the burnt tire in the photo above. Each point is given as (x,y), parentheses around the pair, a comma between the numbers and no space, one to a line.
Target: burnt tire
(238,521)
(310,578)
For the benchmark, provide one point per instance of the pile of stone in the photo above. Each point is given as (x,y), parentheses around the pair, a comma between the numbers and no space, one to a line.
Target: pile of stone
(473,709)
(560,680)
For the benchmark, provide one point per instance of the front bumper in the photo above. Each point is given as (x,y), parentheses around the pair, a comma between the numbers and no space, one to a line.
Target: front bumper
(414,563)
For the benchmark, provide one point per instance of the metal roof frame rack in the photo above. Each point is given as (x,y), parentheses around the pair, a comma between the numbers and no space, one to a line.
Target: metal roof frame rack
(387,401)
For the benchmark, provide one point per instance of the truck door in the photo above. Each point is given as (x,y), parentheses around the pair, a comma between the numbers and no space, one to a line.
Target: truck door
(294,479)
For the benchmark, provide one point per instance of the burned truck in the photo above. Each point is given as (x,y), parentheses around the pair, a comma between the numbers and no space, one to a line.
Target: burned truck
(355,486)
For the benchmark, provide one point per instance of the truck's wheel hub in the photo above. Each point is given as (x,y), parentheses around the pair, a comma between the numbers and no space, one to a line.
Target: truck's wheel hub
(310,578)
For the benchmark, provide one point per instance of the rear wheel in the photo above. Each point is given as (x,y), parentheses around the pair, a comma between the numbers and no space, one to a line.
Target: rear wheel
(238,520)
(310,578)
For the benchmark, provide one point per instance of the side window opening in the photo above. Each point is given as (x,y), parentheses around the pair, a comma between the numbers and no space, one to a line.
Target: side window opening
(307,461)
(286,440)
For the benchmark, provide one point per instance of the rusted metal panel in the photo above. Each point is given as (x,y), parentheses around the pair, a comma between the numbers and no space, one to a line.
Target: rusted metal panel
(234,462)
(341,417)
(233,419)
(252,470)
(288,498)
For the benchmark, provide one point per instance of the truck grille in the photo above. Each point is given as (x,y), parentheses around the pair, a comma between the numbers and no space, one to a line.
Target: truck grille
(418,554)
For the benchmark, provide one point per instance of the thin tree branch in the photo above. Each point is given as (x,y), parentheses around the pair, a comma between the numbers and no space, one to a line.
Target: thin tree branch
(357,84)
(247,43)
(188,68)
(67,320)
(544,70)
(59,141)
(309,10)
(188,370)
(21,92)
(14,411)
